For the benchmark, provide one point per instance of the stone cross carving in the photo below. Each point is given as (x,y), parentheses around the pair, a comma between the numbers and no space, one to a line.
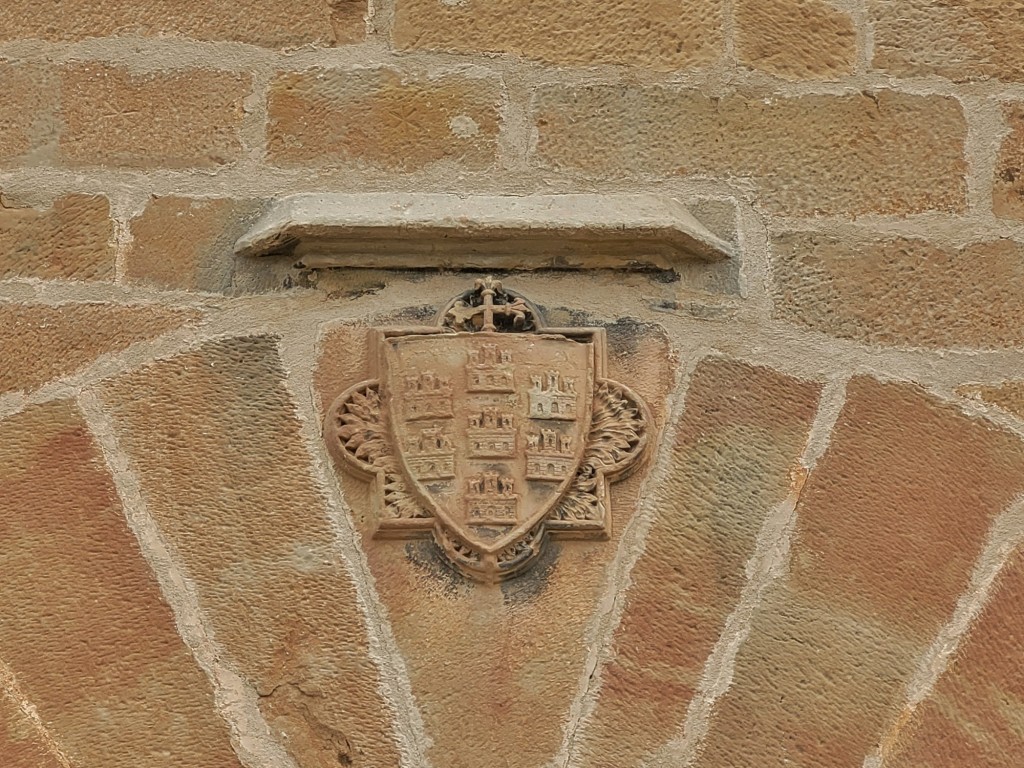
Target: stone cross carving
(489,432)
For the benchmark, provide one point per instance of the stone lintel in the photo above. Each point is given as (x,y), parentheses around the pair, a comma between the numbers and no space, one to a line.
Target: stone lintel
(413,230)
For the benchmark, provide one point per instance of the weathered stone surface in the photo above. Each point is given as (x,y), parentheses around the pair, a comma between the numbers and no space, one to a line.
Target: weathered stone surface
(226,476)
(28,113)
(72,239)
(973,715)
(259,22)
(90,639)
(40,342)
(888,529)
(1008,183)
(494,668)
(381,118)
(740,439)
(967,297)
(881,152)
(958,39)
(643,33)
(185,118)
(187,244)
(795,39)
(1009,395)
(21,744)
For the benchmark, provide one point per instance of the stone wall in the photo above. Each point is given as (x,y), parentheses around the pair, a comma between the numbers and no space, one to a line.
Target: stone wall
(818,565)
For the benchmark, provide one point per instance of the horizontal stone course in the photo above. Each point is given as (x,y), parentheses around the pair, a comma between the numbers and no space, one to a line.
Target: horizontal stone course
(642,33)
(888,529)
(71,239)
(902,292)
(186,243)
(795,39)
(259,22)
(882,152)
(383,119)
(90,640)
(961,40)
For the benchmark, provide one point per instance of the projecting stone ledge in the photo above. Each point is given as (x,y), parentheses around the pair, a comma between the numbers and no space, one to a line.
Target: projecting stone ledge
(403,231)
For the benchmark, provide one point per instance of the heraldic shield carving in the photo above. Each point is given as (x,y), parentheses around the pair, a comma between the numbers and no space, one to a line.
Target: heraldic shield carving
(489,432)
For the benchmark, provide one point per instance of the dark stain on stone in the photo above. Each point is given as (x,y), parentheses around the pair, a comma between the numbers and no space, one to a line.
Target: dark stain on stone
(427,557)
(532,582)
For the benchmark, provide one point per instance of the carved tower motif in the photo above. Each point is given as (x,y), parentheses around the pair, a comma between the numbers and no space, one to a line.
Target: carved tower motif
(490,432)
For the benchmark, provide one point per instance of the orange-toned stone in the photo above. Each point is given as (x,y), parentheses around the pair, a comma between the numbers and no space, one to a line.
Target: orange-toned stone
(21,743)
(187,244)
(1009,395)
(889,526)
(28,114)
(1008,184)
(795,39)
(645,33)
(382,118)
(494,668)
(880,152)
(859,290)
(973,716)
(86,631)
(72,240)
(42,342)
(225,473)
(187,118)
(958,39)
(259,22)
(740,439)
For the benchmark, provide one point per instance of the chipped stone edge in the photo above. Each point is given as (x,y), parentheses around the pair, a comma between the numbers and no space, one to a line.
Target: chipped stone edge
(235,700)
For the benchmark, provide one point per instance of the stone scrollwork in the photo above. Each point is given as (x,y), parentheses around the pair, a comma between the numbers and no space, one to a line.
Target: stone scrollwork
(490,432)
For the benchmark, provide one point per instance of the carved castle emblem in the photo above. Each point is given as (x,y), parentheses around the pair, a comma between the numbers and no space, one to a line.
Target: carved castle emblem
(489,432)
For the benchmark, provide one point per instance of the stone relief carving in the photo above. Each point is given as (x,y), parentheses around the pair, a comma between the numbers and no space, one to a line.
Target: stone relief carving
(489,432)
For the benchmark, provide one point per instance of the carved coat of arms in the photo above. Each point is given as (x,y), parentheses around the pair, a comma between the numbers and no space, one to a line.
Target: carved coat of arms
(489,432)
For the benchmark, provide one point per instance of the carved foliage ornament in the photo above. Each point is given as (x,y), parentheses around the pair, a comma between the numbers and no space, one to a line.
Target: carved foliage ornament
(489,432)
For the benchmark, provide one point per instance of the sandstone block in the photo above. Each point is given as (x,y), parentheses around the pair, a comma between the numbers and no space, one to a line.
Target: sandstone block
(643,33)
(972,717)
(21,743)
(795,39)
(259,22)
(741,435)
(187,244)
(888,528)
(40,342)
(70,240)
(186,118)
(883,152)
(28,114)
(1008,184)
(1009,395)
(382,119)
(962,40)
(226,475)
(859,290)
(86,630)
(494,668)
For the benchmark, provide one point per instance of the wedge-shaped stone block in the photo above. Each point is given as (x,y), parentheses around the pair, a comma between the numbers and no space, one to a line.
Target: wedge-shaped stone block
(740,438)
(85,630)
(42,342)
(494,668)
(889,526)
(215,439)
(973,715)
